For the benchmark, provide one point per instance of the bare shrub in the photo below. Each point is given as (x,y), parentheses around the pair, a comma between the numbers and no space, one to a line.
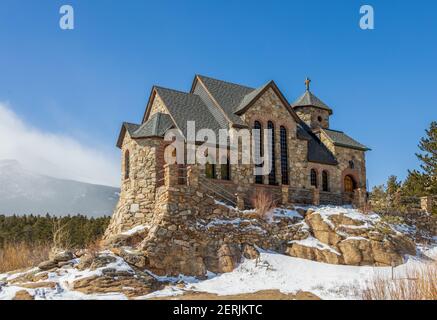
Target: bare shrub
(61,236)
(418,283)
(264,204)
(94,248)
(14,256)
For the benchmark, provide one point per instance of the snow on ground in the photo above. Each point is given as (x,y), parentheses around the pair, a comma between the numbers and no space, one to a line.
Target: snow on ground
(315,243)
(64,279)
(271,271)
(286,213)
(290,275)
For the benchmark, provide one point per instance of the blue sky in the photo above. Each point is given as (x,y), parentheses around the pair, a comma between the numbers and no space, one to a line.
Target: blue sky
(83,83)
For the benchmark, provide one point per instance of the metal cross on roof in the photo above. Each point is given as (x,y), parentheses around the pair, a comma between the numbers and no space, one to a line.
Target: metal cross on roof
(307,83)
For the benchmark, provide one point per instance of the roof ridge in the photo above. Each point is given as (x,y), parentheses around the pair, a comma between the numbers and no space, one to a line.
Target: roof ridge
(174,90)
(333,130)
(251,96)
(224,81)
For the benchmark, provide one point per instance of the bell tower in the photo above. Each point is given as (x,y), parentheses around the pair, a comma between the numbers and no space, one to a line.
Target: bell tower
(311,109)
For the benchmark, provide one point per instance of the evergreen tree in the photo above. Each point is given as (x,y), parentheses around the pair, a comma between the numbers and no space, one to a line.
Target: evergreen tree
(425,182)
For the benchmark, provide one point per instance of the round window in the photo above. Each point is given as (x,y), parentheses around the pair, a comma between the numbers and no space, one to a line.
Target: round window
(319,118)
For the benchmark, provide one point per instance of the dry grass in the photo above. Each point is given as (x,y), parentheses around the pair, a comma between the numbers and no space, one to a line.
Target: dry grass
(416,284)
(14,256)
(264,204)
(366,208)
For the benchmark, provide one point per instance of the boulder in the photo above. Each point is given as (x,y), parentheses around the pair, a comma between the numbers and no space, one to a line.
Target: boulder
(351,252)
(228,257)
(47,265)
(322,230)
(94,261)
(62,256)
(132,285)
(311,253)
(23,295)
(250,252)
(135,258)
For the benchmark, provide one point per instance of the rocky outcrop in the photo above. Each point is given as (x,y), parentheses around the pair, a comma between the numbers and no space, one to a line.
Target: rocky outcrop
(93,274)
(189,243)
(111,280)
(353,239)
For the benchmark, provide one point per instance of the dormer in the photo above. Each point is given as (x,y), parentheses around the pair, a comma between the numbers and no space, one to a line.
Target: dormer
(312,110)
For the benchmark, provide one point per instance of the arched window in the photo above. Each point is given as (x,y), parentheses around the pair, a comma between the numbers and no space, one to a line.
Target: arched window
(325,181)
(313,177)
(210,170)
(284,156)
(225,170)
(351,164)
(126,165)
(258,148)
(272,174)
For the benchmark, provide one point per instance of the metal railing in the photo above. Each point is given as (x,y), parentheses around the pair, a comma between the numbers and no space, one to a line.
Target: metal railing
(218,191)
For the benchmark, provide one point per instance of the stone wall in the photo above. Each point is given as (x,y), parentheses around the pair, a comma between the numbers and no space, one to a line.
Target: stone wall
(157,106)
(270,108)
(312,115)
(137,196)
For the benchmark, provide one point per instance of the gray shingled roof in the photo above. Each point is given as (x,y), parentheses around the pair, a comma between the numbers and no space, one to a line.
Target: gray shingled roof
(199,107)
(156,126)
(249,97)
(228,95)
(317,151)
(126,126)
(185,107)
(309,99)
(339,138)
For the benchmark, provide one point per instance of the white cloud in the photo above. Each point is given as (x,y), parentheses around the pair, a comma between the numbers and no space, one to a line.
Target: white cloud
(54,154)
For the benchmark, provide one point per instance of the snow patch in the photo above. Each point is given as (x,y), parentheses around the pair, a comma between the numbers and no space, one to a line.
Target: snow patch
(315,243)
(134,230)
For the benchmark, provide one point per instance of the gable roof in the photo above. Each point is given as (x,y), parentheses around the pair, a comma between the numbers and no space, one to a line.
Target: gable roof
(217,104)
(156,126)
(308,99)
(226,95)
(126,127)
(248,98)
(233,99)
(185,107)
(339,138)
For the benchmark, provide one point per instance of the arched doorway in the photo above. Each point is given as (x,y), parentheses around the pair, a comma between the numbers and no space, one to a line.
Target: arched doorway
(349,184)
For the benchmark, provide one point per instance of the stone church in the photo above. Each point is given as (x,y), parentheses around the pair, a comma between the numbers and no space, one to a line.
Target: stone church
(311,162)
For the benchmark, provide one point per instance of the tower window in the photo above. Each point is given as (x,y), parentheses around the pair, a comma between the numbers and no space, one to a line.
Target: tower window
(319,118)
(351,164)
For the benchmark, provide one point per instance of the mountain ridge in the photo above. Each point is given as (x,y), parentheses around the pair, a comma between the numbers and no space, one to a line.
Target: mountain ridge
(26,192)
